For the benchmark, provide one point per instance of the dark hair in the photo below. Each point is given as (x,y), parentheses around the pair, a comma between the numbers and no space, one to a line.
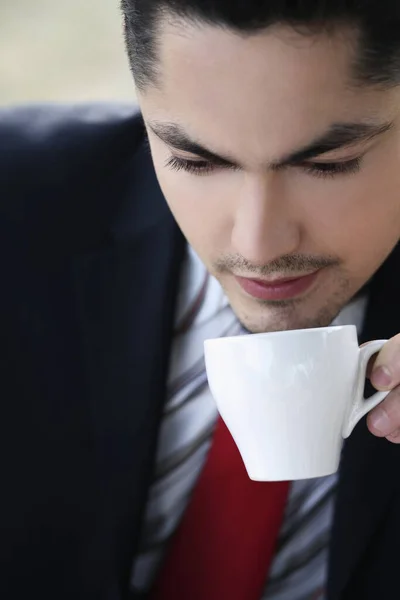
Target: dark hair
(376,24)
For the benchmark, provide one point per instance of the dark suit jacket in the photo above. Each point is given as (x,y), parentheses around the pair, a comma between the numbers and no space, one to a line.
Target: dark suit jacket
(90,261)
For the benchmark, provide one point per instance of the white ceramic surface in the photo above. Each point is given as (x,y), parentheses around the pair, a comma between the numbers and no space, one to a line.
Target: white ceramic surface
(289,398)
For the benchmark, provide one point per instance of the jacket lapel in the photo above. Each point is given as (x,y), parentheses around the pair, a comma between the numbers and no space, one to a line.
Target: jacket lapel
(126,297)
(369,465)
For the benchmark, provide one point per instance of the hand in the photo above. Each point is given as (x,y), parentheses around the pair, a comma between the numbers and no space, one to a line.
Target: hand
(384,373)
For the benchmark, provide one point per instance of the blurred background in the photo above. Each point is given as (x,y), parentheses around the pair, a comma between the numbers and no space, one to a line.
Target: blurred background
(62,50)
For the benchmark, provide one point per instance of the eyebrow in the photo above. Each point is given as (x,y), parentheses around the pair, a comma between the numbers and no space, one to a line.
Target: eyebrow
(338,136)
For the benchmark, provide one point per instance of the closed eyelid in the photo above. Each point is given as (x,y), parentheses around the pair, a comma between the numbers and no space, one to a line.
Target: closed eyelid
(212,160)
(357,150)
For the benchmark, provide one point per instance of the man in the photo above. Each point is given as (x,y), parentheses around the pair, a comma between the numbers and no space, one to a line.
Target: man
(274,130)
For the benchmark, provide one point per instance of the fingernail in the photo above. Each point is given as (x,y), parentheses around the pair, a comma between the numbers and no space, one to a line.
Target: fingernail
(381,422)
(381,377)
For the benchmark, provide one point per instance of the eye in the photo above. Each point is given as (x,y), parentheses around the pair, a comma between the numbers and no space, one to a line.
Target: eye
(332,169)
(196,167)
(324,170)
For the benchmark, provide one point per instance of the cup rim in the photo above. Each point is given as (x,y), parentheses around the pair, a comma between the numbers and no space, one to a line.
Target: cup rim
(287,332)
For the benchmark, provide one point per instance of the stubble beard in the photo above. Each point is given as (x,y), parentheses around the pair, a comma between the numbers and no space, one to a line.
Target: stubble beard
(269,316)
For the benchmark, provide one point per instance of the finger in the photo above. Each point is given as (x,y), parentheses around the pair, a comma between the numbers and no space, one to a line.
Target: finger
(386,370)
(394,437)
(384,420)
(371,361)
(370,365)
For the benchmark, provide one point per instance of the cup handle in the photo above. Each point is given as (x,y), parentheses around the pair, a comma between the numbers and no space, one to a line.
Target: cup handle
(361,406)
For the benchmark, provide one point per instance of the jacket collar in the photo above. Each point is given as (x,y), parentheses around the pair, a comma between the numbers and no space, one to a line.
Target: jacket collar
(126,295)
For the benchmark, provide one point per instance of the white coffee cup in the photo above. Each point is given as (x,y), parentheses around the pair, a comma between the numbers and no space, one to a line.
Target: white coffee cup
(289,398)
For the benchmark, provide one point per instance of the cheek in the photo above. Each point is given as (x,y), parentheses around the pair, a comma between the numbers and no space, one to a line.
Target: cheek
(355,217)
(203,206)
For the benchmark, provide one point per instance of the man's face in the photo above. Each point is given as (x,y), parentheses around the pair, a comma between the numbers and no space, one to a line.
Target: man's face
(282,176)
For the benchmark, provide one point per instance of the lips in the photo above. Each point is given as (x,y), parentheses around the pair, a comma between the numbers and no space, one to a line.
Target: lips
(279,289)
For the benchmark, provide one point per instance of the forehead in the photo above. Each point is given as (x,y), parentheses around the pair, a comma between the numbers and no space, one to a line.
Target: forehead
(272,90)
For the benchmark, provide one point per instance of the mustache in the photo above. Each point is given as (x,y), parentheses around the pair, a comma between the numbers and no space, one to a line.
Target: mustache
(291,263)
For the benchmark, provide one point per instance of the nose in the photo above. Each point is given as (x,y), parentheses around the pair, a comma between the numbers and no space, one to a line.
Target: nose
(264,228)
